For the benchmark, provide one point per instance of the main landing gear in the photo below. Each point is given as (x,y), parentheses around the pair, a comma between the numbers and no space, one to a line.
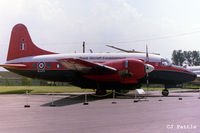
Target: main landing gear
(165,92)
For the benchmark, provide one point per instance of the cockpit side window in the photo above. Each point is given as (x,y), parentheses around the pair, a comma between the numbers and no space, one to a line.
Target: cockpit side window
(165,62)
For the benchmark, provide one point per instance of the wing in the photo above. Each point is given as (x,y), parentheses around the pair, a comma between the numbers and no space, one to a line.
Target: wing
(85,66)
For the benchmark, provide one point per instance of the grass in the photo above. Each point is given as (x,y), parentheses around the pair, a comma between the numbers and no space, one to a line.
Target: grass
(39,89)
(66,89)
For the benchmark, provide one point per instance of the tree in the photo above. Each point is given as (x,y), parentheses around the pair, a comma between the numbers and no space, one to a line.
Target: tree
(191,57)
(195,58)
(178,57)
(188,57)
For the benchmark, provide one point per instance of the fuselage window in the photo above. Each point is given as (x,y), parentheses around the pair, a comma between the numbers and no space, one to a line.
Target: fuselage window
(49,65)
(59,65)
(22,46)
(126,64)
(34,65)
(165,62)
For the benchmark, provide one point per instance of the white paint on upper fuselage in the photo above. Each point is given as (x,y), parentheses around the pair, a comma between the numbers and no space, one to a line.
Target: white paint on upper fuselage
(93,57)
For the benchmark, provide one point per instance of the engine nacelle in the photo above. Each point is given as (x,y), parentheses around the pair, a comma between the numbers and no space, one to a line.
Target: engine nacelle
(129,71)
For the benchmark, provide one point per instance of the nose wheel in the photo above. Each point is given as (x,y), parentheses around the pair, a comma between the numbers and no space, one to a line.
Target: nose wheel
(165,92)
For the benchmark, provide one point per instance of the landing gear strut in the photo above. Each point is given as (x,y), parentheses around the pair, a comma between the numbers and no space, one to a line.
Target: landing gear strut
(165,92)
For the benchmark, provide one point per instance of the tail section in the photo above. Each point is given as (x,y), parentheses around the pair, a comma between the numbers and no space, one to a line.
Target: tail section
(21,44)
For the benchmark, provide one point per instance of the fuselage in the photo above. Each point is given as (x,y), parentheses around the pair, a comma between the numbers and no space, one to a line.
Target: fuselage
(48,68)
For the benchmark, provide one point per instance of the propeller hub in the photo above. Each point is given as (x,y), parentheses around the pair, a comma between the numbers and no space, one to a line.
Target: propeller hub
(149,68)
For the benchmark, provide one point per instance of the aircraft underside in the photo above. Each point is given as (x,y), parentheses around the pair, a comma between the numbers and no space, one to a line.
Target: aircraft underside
(74,78)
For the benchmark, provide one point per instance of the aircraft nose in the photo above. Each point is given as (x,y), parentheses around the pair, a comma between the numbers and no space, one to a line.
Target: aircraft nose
(190,76)
(149,68)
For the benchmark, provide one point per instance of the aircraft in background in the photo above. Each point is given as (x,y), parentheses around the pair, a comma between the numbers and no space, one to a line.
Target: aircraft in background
(196,70)
(128,51)
(100,71)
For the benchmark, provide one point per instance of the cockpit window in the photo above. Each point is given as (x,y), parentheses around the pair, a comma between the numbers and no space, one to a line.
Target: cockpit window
(166,62)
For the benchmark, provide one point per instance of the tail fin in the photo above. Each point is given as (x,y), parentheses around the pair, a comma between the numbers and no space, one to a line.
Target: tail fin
(21,44)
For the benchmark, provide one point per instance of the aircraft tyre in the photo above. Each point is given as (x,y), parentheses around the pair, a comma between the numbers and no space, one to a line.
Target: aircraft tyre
(165,92)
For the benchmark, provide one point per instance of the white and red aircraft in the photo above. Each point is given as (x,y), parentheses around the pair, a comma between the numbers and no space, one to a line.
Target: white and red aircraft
(100,71)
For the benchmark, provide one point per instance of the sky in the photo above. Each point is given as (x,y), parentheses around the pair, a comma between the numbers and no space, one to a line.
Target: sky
(62,25)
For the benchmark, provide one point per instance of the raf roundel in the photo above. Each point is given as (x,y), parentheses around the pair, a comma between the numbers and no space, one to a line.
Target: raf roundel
(41,65)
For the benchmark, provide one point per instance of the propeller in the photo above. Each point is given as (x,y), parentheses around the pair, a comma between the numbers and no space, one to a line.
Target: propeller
(91,51)
(148,68)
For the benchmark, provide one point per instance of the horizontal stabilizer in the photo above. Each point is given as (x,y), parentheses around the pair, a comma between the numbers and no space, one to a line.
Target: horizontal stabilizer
(13,66)
(85,66)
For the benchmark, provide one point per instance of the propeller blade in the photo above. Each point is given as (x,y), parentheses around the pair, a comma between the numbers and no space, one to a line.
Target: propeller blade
(147,76)
(91,51)
(148,68)
(147,54)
